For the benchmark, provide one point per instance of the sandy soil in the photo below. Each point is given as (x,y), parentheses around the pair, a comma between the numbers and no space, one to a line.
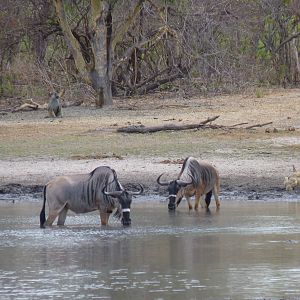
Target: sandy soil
(267,158)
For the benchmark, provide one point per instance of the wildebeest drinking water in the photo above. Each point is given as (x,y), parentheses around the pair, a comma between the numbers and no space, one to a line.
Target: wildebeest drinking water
(195,179)
(98,190)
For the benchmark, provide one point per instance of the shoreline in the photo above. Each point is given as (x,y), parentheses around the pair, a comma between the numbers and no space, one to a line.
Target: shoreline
(239,179)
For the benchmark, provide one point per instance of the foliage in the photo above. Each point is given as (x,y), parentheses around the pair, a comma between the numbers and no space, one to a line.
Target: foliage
(205,46)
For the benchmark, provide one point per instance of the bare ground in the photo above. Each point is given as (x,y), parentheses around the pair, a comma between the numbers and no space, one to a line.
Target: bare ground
(251,162)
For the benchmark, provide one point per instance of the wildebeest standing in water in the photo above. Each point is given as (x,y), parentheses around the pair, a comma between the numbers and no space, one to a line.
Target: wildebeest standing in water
(195,179)
(54,105)
(98,190)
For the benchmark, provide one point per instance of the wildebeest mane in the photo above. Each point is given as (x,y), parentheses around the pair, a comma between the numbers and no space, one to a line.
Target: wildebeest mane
(191,169)
(100,178)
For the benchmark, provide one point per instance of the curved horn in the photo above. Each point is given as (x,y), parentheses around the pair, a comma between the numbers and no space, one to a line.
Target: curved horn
(161,183)
(183,182)
(113,193)
(138,192)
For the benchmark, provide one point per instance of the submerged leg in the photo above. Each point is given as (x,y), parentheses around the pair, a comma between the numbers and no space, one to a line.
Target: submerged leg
(198,199)
(51,217)
(178,201)
(216,196)
(208,198)
(189,202)
(62,216)
(104,216)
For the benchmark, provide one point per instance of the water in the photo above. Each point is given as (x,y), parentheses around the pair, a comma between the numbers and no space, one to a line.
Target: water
(247,250)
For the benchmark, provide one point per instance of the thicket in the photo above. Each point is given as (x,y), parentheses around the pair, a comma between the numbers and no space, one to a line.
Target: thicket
(186,46)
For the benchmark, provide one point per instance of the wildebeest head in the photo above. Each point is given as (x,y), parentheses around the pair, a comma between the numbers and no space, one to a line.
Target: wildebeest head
(174,186)
(125,198)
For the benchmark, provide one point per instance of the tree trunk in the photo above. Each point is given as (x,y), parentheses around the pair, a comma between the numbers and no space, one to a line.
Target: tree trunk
(295,65)
(101,44)
(97,71)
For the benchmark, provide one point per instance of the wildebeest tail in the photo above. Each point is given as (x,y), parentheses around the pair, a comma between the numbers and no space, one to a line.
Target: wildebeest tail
(43,214)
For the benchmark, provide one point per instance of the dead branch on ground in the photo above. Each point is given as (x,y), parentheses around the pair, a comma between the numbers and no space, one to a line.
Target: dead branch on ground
(259,125)
(28,105)
(203,124)
(144,129)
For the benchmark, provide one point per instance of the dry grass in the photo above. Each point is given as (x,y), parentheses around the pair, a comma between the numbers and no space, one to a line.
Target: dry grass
(34,149)
(88,132)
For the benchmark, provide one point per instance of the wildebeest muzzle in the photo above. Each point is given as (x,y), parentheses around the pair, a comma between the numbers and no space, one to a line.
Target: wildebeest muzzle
(126,221)
(171,204)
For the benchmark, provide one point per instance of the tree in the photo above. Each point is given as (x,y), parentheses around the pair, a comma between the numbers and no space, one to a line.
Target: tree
(282,29)
(92,50)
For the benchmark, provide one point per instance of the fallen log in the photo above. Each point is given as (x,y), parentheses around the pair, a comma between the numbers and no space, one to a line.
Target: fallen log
(144,129)
(28,105)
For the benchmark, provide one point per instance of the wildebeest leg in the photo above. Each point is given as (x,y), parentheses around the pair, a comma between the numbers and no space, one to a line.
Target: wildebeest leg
(208,198)
(216,196)
(104,218)
(198,198)
(51,217)
(178,201)
(189,203)
(62,216)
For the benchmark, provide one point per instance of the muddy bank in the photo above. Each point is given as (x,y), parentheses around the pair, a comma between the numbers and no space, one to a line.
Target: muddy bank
(233,188)
(256,179)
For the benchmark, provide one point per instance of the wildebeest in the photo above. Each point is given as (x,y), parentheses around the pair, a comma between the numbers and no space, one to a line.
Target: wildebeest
(195,179)
(98,190)
(292,181)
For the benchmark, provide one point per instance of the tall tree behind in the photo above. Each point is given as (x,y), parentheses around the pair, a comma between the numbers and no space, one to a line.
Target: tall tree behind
(278,40)
(92,46)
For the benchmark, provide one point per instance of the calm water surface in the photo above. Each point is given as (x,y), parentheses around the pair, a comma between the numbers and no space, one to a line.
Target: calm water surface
(247,250)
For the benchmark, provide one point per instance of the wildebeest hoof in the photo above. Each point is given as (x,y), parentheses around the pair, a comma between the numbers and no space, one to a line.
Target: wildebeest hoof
(171,207)
(126,223)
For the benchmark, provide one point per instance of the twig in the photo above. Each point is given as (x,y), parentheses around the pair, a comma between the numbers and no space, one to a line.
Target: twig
(258,125)
(239,124)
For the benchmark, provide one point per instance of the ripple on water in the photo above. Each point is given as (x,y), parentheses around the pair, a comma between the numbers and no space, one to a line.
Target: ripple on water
(244,251)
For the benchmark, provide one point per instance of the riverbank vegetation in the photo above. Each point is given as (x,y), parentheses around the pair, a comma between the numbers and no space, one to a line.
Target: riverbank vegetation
(99,51)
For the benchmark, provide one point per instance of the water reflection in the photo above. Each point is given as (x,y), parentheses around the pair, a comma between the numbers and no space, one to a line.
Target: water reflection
(246,250)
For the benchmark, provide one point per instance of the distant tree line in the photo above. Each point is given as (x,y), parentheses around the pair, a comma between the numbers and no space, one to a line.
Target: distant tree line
(135,47)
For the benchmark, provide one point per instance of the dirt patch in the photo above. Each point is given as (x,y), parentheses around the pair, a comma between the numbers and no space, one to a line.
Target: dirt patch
(34,149)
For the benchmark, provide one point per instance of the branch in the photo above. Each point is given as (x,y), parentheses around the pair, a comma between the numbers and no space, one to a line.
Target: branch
(143,129)
(71,41)
(28,105)
(294,36)
(128,22)
(158,83)
(258,125)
